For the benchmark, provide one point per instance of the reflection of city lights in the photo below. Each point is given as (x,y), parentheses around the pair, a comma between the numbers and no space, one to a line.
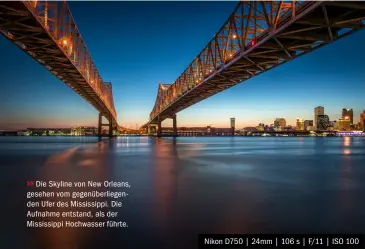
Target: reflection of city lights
(346,141)
(347,152)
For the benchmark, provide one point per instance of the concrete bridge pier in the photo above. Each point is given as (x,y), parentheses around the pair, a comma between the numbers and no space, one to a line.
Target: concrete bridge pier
(100,124)
(110,125)
(159,127)
(174,126)
(151,129)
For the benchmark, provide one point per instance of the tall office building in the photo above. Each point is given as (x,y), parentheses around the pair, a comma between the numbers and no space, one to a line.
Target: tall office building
(344,124)
(300,124)
(308,123)
(279,122)
(319,110)
(323,122)
(362,120)
(348,114)
(233,125)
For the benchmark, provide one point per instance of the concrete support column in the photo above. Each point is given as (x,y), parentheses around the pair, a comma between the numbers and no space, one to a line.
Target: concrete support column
(99,124)
(149,129)
(174,126)
(110,125)
(159,128)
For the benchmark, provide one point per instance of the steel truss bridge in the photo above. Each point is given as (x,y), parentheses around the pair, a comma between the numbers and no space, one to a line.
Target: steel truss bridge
(257,37)
(47,32)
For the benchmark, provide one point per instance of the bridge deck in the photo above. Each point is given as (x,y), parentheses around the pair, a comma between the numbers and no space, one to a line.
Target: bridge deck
(316,25)
(20,25)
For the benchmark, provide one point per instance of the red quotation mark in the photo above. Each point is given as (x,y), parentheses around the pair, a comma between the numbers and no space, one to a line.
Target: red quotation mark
(30,183)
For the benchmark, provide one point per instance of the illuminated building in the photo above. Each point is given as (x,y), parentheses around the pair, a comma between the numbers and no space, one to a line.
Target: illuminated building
(49,131)
(323,122)
(24,133)
(344,124)
(348,113)
(233,124)
(332,125)
(357,127)
(287,128)
(319,110)
(336,126)
(279,122)
(300,124)
(249,129)
(362,120)
(307,123)
(260,127)
(84,131)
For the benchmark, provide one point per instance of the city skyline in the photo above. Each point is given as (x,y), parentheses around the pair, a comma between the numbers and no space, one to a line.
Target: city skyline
(31,96)
(232,120)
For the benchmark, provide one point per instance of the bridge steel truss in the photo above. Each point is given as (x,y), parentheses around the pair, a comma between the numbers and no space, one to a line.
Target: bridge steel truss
(48,33)
(257,37)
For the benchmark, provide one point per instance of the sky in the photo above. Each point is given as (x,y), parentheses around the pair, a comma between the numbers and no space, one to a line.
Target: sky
(138,45)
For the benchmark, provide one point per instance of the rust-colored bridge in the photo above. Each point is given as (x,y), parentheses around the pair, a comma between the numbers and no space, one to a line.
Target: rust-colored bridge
(257,37)
(48,33)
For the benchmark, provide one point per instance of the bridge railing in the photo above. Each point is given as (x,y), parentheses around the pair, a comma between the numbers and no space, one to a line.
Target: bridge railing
(249,22)
(56,19)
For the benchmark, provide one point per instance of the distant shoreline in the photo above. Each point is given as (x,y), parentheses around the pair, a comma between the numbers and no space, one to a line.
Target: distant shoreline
(131,135)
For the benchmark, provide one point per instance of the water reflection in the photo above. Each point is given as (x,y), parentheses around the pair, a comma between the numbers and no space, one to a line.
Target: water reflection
(166,180)
(69,166)
(186,186)
(346,144)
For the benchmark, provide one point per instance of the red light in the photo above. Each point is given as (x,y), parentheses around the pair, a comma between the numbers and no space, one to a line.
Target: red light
(252,43)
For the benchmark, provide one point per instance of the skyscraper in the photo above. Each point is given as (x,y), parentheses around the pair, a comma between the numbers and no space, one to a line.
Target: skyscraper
(233,124)
(348,113)
(308,123)
(344,124)
(323,122)
(279,122)
(300,124)
(362,120)
(319,110)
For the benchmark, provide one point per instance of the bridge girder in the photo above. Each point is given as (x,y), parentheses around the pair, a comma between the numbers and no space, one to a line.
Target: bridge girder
(47,32)
(257,37)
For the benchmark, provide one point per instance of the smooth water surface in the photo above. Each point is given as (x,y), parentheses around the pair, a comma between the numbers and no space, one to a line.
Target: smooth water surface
(186,186)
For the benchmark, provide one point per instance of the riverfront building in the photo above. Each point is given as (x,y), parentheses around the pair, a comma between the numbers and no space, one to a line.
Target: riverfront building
(323,122)
(300,124)
(319,110)
(348,114)
(280,122)
(344,124)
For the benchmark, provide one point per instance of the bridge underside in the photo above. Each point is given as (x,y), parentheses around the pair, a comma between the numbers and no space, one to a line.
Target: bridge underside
(19,25)
(325,23)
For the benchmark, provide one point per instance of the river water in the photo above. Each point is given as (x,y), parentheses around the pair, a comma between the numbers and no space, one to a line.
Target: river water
(186,186)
